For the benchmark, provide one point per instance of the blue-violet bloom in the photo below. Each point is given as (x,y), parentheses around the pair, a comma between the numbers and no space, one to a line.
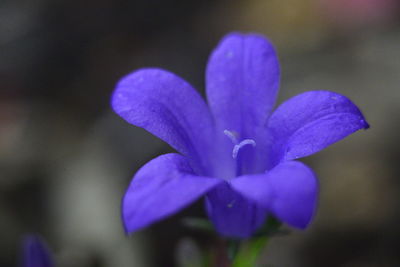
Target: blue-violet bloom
(234,151)
(35,253)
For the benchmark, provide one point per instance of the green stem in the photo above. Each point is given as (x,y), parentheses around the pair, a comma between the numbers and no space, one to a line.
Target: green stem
(250,252)
(233,249)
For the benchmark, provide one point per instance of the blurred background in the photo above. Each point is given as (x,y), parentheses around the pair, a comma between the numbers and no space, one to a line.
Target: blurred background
(66,158)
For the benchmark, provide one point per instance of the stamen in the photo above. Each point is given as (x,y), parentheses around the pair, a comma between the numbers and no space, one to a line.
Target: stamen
(232,135)
(237,147)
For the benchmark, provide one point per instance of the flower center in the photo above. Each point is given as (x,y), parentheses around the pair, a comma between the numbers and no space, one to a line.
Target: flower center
(238,145)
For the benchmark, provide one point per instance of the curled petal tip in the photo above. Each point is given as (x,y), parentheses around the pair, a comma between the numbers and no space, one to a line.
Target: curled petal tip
(311,121)
(366,124)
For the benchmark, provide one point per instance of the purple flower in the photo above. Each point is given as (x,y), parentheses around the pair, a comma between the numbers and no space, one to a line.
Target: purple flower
(233,151)
(35,253)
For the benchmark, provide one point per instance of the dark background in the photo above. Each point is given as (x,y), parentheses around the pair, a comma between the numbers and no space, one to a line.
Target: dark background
(66,158)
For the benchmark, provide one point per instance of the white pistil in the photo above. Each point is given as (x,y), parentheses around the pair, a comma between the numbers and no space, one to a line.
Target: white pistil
(237,147)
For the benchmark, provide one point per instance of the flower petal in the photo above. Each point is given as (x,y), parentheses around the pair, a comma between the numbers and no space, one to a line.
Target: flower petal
(161,188)
(295,193)
(309,122)
(36,253)
(167,106)
(242,82)
(232,214)
(289,191)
